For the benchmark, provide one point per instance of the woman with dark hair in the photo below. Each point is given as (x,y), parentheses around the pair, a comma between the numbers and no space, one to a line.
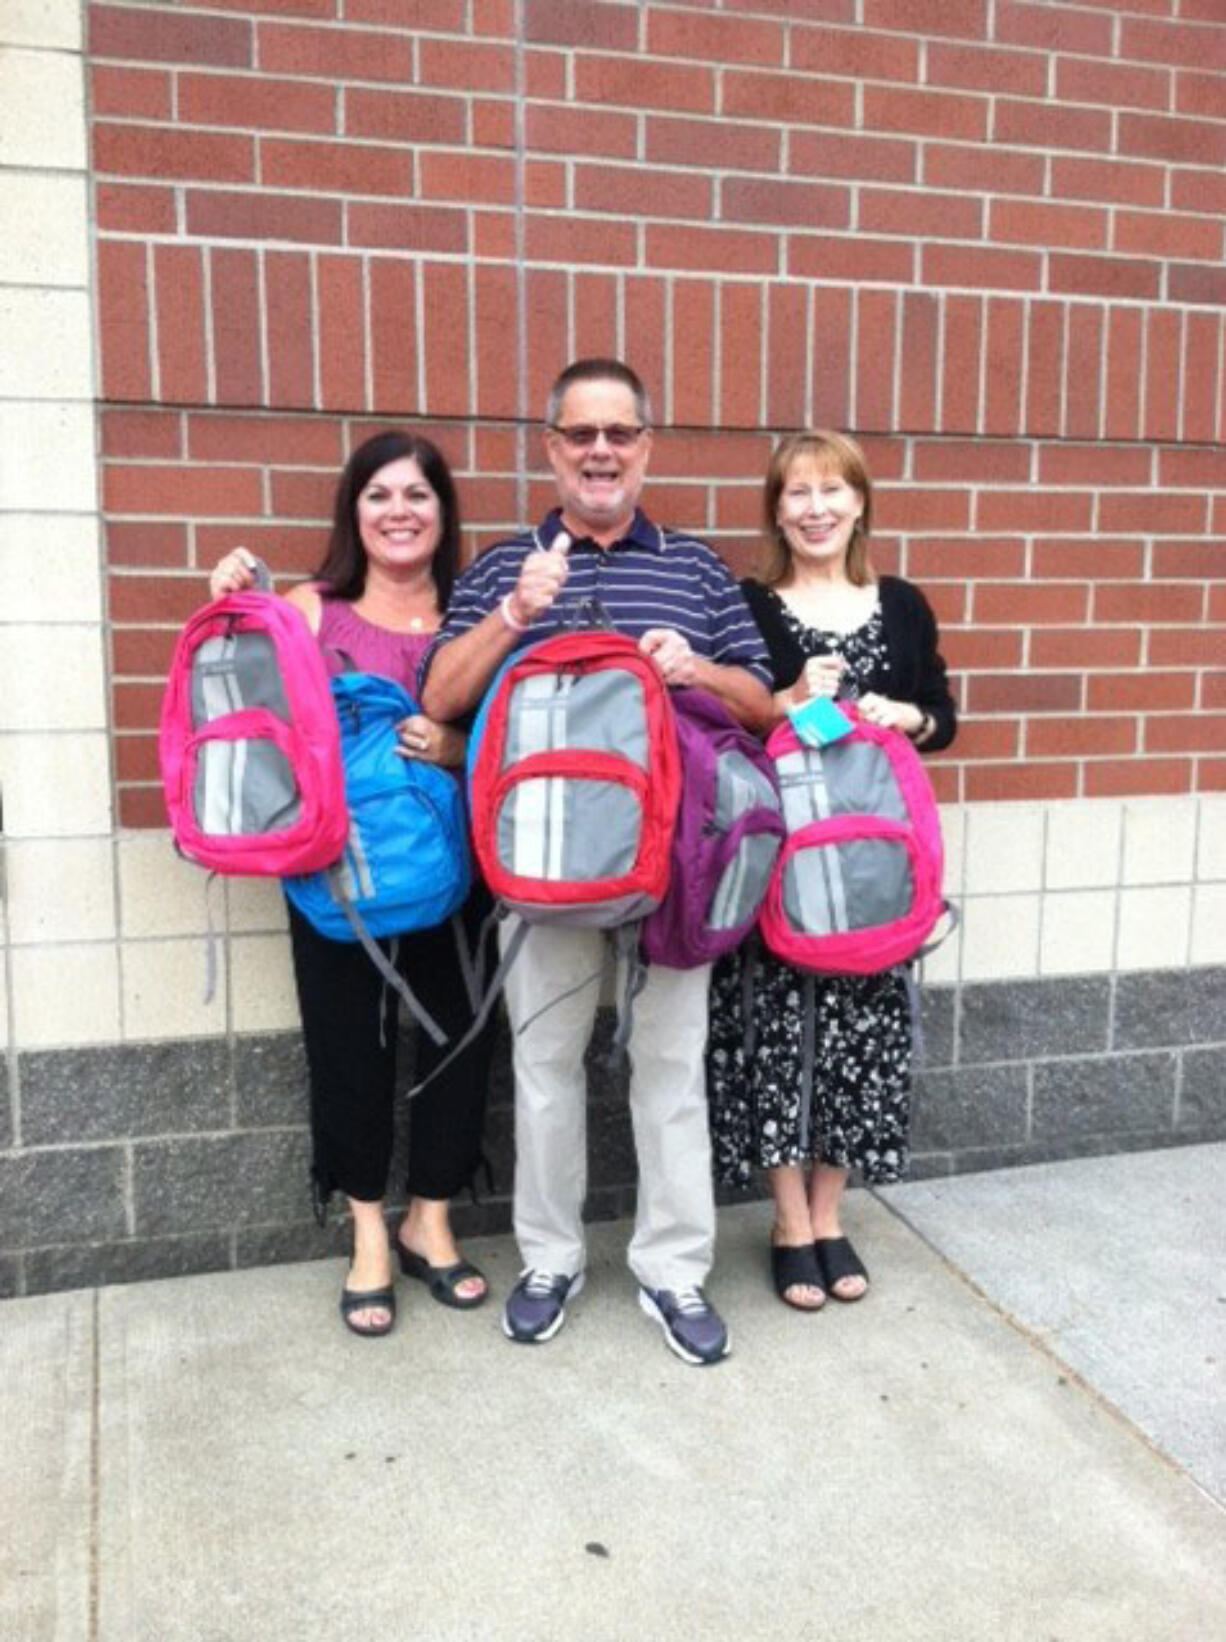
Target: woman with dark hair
(376,602)
(831,625)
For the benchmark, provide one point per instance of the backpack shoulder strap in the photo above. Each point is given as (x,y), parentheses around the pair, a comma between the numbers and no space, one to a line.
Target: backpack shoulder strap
(377,957)
(487,1001)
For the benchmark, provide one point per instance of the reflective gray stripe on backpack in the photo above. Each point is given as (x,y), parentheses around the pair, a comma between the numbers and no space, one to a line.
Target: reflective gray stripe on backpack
(215,674)
(231,671)
(729,892)
(814,891)
(743,882)
(220,774)
(740,787)
(352,872)
(540,806)
(242,786)
(223,764)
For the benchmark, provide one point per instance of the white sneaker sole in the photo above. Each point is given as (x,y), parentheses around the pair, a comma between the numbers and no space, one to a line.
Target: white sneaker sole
(546,1333)
(653,1311)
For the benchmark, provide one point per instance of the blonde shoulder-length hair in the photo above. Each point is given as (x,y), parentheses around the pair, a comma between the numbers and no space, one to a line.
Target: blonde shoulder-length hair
(830,452)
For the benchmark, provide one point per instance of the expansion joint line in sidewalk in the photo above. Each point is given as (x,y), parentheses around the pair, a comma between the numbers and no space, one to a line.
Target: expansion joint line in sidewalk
(95,1466)
(1068,1374)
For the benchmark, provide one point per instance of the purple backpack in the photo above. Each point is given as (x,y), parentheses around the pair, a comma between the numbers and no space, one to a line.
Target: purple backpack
(729,831)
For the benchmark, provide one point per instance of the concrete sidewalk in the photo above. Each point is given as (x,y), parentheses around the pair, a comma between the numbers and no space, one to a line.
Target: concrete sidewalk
(213,1459)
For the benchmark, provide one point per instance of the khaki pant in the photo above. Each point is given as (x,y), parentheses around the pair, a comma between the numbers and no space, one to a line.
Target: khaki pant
(674,1227)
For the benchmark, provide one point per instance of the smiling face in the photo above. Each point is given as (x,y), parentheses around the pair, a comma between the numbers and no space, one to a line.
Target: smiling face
(599,482)
(399,517)
(817,513)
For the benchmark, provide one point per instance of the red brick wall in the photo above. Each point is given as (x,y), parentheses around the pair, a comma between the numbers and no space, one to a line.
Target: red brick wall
(985,234)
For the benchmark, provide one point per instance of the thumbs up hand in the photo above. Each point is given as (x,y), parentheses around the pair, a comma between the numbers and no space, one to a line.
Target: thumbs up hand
(542,577)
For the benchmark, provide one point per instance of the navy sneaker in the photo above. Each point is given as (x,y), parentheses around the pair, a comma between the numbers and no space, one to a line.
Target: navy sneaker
(692,1326)
(536,1306)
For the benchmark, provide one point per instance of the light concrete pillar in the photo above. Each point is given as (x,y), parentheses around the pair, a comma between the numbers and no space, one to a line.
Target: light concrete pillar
(61,970)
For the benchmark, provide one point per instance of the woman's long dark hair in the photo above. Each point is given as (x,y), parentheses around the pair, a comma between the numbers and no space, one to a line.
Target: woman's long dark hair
(344,563)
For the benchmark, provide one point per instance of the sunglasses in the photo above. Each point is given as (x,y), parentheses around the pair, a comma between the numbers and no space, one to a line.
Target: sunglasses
(582,435)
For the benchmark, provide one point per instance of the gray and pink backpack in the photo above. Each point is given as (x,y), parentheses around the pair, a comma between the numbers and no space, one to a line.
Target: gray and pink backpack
(858,884)
(249,743)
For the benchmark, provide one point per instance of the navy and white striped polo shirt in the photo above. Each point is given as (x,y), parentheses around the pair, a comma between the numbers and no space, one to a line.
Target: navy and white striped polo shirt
(650,578)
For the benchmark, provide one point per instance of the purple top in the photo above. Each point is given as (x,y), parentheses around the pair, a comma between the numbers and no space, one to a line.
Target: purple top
(369,648)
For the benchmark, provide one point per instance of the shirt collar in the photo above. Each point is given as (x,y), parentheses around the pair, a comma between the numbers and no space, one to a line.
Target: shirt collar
(642,532)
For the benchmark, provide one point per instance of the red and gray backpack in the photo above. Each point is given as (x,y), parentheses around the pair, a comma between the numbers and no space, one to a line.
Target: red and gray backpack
(729,831)
(574,787)
(857,887)
(574,781)
(249,743)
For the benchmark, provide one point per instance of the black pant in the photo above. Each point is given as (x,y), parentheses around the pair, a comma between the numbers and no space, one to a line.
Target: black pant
(349,1027)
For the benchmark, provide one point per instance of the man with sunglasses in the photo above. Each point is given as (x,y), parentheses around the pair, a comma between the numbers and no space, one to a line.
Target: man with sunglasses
(674,595)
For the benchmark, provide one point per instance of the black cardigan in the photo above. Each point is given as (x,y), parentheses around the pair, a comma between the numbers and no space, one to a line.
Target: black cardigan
(917,671)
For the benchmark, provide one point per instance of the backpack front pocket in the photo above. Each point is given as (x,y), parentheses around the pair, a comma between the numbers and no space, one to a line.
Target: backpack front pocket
(239,777)
(848,883)
(573,820)
(743,882)
(741,789)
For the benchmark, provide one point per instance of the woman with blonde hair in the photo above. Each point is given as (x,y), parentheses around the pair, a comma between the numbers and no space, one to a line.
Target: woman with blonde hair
(832,626)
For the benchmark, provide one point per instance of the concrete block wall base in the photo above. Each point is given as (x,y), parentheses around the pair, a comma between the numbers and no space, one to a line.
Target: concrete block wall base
(153,1160)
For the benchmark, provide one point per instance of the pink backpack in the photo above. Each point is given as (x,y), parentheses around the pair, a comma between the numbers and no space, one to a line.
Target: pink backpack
(249,742)
(857,887)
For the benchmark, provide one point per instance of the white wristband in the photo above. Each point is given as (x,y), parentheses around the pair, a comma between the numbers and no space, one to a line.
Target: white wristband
(504,610)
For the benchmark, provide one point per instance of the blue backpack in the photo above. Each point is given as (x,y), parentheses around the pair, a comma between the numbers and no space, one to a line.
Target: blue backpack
(406,862)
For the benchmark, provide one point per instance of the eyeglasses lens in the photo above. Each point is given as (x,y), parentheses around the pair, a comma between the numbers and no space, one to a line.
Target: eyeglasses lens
(581,436)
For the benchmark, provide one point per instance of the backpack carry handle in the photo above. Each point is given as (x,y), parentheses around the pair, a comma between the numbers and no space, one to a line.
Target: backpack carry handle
(257,567)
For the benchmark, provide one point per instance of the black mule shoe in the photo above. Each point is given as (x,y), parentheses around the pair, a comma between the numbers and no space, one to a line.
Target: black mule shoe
(837,1259)
(443,1281)
(353,1300)
(792,1266)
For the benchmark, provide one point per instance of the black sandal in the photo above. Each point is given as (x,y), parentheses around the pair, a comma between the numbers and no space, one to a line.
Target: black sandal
(793,1267)
(443,1281)
(368,1300)
(837,1259)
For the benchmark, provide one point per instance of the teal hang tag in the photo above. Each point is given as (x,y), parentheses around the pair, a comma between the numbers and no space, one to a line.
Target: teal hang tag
(818,722)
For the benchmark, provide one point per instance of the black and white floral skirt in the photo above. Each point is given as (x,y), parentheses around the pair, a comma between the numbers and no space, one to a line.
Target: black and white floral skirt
(861,1097)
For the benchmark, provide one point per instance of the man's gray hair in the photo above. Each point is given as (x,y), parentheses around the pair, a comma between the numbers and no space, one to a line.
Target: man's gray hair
(598,370)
